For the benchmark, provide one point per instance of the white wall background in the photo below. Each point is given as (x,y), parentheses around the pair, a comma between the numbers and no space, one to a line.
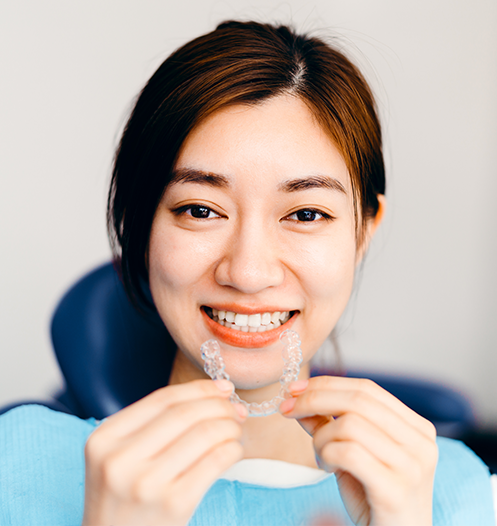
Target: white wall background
(427,302)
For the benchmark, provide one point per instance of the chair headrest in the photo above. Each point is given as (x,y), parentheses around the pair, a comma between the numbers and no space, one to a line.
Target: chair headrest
(110,354)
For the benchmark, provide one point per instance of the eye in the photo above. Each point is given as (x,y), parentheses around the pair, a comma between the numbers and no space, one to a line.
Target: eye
(197,212)
(308,215)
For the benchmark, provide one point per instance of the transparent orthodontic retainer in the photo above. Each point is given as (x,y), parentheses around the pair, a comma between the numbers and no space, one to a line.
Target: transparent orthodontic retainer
(292,357)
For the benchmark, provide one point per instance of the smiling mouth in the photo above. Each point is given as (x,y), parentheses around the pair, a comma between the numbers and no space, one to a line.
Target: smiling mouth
(260,322)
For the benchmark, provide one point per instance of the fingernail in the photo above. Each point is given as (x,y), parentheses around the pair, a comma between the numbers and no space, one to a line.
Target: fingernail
(299,385)
(241,410)
(287,405)
(224,385)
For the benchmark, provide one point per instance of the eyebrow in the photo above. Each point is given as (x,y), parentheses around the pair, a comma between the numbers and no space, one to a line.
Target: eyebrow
(189,175)
(313,181)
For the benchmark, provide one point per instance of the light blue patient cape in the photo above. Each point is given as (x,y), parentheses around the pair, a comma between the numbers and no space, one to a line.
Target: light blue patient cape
(42,482)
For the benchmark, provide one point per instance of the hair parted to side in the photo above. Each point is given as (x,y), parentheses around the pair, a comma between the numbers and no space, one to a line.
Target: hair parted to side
(238,63)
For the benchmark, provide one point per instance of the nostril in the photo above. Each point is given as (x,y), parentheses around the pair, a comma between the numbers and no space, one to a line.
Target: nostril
(249,278)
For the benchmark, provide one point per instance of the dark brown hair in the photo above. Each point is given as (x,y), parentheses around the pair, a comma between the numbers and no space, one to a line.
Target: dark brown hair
(238,63)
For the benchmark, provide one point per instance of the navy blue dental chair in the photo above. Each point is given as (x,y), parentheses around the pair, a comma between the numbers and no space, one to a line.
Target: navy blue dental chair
(112,355)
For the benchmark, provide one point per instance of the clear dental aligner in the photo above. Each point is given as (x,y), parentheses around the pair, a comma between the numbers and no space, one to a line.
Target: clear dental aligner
(292,357)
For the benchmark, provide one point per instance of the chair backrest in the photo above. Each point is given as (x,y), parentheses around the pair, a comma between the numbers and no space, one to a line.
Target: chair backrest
(110,354)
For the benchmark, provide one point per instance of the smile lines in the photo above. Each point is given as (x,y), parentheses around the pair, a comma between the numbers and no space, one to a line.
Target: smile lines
(260,322)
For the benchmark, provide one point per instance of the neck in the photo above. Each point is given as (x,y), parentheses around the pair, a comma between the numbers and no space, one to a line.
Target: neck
(278,438)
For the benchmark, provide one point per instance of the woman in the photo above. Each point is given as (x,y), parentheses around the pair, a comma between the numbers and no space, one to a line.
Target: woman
(247,185)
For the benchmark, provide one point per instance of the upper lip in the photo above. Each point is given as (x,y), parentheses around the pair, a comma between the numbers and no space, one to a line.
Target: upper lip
(247,309)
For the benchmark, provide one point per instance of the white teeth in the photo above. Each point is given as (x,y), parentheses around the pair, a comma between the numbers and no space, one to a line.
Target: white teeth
(260,322)
(266,318)
(254,320)
(241,319)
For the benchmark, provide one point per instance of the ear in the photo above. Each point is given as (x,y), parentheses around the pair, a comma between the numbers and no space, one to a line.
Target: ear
(371,226)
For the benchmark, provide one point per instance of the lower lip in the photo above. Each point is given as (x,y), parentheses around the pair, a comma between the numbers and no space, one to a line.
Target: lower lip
(249,340)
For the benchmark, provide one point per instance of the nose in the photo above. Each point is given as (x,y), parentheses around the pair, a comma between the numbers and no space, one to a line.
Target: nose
(251,262)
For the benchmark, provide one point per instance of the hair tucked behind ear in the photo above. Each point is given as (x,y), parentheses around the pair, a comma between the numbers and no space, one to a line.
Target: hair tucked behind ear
(238,63)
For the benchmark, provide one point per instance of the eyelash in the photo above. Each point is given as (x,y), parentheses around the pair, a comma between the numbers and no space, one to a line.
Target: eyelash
(184,209)
(324,215)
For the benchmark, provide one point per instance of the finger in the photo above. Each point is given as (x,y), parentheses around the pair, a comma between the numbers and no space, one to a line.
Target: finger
(354,428)
(139,413)
(312,423)
(336,403)
(353,458)
(368,387)
(175,422)
(180,456)
(393,497)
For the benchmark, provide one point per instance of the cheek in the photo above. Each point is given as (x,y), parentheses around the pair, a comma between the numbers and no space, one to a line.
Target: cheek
(176,260)
(178,264)
(327,269)
(327,279)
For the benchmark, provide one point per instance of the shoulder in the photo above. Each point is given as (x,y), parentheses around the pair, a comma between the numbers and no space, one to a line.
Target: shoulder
(30,427)
(34,431)
(462,492)
(42,466)
(39,416)
(455,455)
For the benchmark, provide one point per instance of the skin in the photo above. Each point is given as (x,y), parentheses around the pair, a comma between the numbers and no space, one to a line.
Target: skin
(241,244)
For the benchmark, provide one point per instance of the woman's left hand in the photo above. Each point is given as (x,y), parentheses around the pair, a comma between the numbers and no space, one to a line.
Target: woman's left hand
(383,454)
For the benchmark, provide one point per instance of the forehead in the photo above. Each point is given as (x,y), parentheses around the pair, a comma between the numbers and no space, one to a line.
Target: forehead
(279,138)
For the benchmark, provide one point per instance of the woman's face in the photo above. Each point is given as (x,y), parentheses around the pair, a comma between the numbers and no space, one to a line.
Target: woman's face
(257,227)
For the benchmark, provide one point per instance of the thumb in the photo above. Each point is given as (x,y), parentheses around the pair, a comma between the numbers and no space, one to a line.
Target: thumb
(312,423)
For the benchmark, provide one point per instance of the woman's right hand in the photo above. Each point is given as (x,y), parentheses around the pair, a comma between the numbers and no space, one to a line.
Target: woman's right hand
(152,462)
